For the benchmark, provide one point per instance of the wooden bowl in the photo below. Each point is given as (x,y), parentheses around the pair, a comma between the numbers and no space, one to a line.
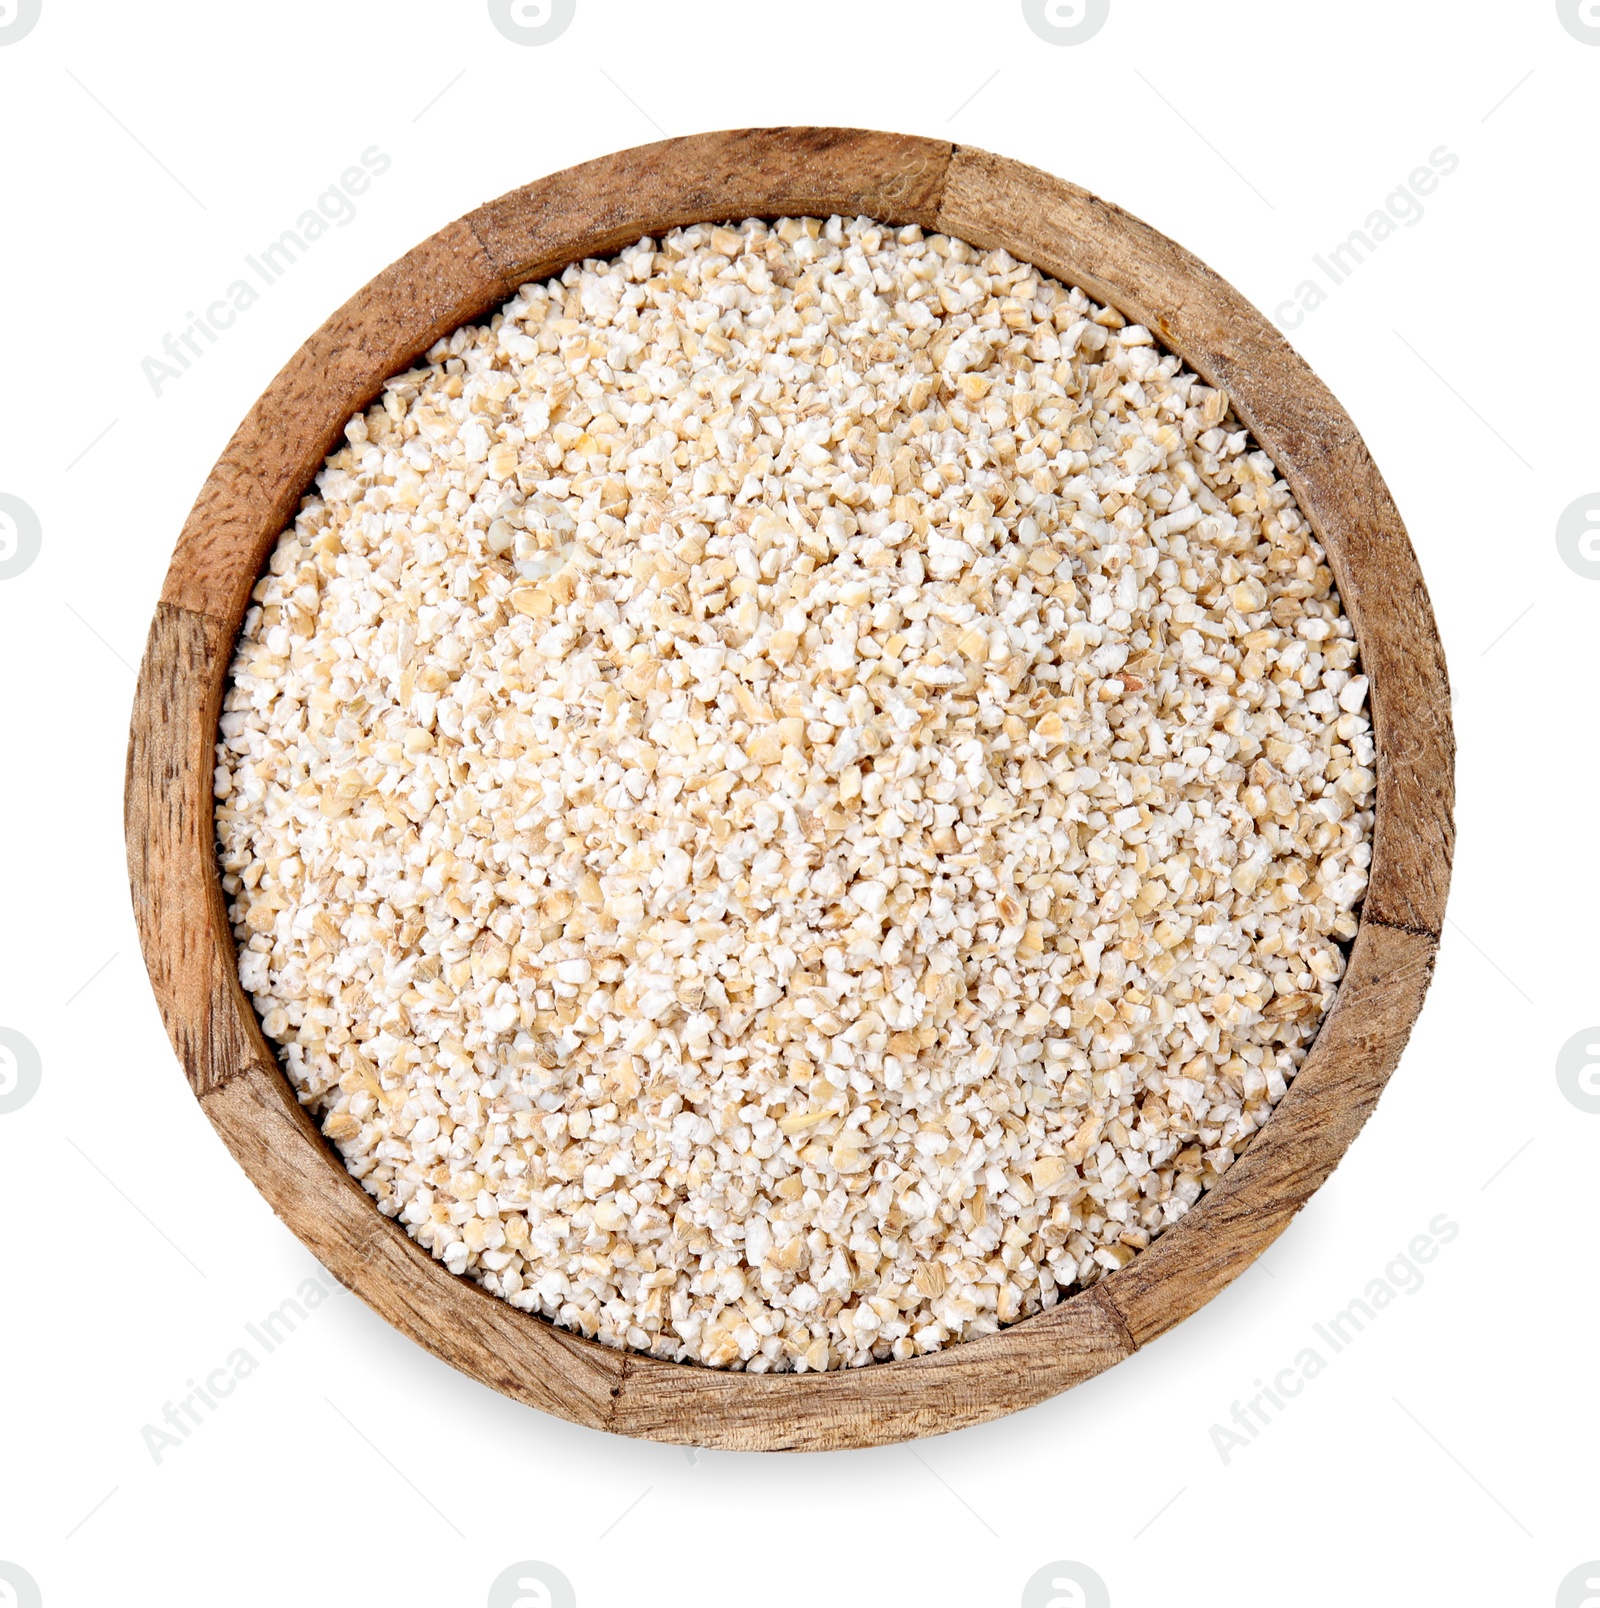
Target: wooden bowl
(457,277)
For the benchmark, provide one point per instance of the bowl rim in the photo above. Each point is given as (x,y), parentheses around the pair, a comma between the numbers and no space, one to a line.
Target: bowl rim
(456,277)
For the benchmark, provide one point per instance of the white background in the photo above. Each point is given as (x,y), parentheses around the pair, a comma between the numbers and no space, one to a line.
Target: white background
(1447,1456)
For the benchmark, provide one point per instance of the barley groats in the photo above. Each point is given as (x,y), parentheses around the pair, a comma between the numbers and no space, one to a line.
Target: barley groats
(795,795)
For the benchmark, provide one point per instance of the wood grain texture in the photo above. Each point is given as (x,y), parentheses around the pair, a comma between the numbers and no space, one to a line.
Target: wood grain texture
(884,1402)
(264,1126)
(171,836)
(456,277)
(267,467)
(591,211)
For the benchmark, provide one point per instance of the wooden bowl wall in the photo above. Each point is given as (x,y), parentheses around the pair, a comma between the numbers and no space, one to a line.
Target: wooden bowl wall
(463,273)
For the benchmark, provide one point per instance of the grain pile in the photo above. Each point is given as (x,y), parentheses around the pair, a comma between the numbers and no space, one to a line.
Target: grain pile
(795,795)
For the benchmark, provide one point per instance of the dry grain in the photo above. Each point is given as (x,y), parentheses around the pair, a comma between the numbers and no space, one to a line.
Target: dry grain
(795,795)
